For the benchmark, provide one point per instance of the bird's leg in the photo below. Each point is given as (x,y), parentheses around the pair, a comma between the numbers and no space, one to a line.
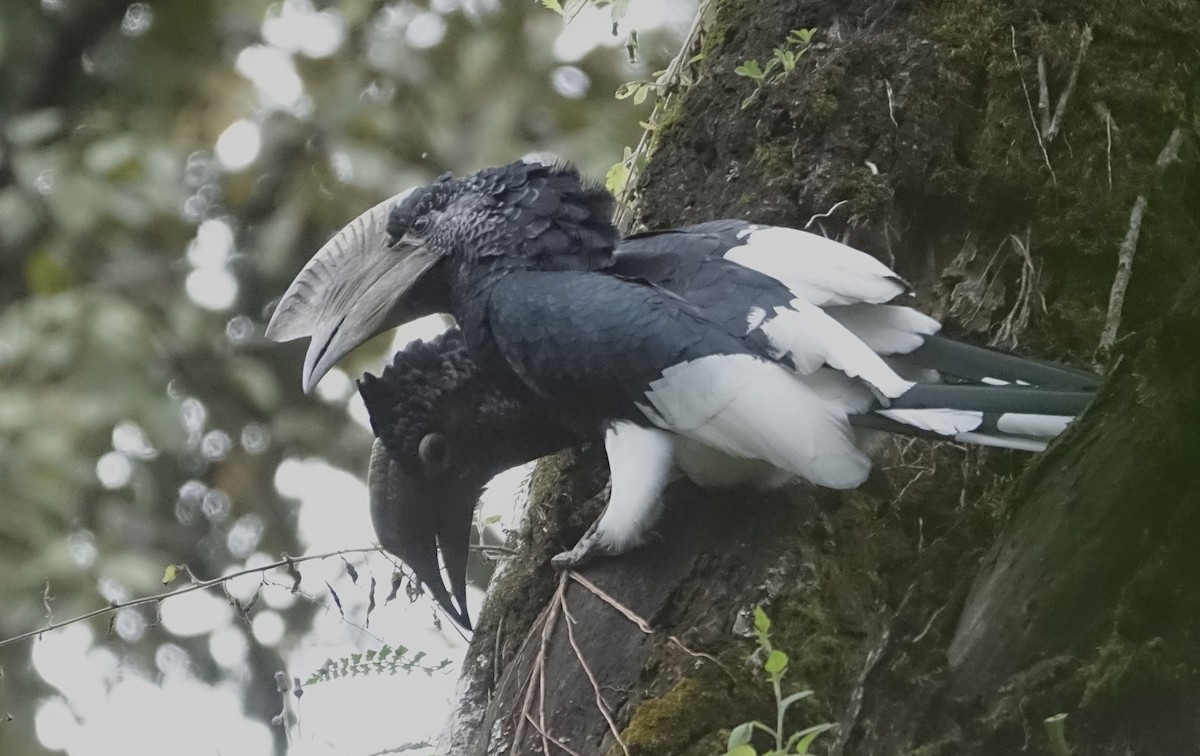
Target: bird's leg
(640,463)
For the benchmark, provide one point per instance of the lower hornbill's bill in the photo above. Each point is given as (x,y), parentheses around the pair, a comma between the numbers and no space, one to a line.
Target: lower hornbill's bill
(735,351)
(442,432)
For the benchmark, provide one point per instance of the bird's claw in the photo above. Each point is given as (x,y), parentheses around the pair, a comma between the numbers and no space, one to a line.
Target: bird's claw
(589,548)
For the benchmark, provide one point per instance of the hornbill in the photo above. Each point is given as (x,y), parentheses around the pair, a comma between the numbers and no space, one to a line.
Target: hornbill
(734,351)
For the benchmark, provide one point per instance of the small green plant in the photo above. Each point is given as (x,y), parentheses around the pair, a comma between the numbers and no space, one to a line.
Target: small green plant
(385,661)
(782,62)
(775,664)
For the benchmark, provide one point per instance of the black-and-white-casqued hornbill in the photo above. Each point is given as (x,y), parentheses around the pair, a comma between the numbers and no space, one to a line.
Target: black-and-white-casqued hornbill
(735,352)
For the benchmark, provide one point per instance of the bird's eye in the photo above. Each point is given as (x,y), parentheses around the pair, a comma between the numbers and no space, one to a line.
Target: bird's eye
(420,225)
(433,451)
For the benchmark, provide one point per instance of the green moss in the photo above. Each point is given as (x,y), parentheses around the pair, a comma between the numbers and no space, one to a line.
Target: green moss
(687,714)
(665,122)
(1153,630)
(971,29)
(1120,668)
(818,650)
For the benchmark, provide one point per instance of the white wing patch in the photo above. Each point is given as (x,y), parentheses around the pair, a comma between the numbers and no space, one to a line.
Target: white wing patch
(816,269)
(813,339)
(750,408)
(886,329)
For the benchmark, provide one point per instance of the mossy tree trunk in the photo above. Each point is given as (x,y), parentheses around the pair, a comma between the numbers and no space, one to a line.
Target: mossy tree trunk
(993,153)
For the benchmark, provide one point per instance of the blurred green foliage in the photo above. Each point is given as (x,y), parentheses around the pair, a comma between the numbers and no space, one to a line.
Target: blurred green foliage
(138,428)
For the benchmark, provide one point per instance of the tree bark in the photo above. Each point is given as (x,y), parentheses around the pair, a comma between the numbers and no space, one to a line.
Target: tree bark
(991,153)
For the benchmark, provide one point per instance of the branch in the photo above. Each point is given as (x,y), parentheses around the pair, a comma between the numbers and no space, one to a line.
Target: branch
(1037,132)
(1084,41)
(1116,297)
(286,561)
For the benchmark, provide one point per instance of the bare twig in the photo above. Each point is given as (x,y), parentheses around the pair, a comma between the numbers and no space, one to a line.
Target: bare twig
(1037,132)
(825,214)
(1116,297)
(196,585)
(587,670)
(1106,116)
(548,620)
(548,737)
(1027,294)
(641,623)
(607,598)
(1085,41)
(891,103)
(1043,94)
(929,625)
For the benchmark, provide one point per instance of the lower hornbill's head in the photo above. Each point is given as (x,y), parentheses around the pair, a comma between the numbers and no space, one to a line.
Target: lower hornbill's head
(442,432)
(399,260)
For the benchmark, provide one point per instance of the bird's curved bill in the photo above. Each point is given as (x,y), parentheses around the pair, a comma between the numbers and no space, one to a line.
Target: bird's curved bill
(416,517)
(354,288)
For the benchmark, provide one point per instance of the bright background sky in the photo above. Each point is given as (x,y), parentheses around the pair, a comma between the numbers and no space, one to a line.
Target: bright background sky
(104,705)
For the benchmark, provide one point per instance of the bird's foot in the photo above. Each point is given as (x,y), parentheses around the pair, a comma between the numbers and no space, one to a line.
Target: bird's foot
(590,547)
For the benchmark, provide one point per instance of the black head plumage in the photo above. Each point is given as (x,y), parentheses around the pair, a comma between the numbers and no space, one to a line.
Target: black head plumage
(410,398)
(546,214)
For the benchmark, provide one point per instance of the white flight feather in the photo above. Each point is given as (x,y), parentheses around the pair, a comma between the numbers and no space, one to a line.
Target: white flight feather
(816,269)
(886,329)
(747,407)
(944,422)
(812,339)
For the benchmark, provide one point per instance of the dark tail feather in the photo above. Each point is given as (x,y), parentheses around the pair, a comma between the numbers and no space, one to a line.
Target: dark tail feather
(978,364)
(1031,400)
(978,438)
(1009,416)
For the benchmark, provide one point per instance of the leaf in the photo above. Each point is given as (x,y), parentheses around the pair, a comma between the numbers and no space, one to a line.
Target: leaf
(743,750)
(808,735)
(46,275)
(616,177)
(751,70)
(762,623)
(785,703)
(170,574)
(629,89)
(618,9)
(740,735)
(555,6)
(777,662)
